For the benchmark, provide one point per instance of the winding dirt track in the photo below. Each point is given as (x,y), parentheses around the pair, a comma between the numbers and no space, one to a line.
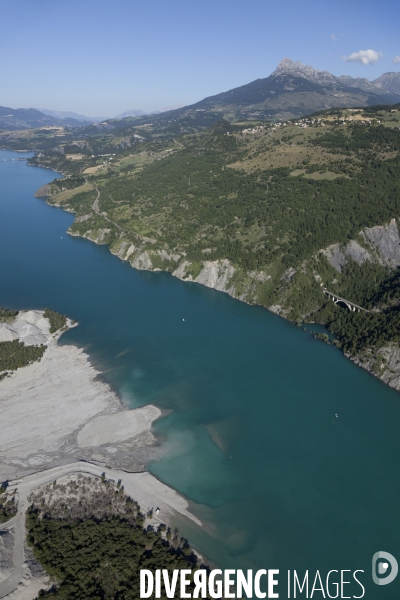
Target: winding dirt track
(96,208)
(143,487)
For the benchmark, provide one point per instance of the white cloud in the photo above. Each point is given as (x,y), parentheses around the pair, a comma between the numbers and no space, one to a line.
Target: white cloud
(335,36)
(396,60)
(365,57)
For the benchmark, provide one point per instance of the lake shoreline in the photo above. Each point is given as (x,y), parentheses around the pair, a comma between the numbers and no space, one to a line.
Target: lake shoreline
(48,420)
(211,278)
(59,418)
(298,424)
(216,275)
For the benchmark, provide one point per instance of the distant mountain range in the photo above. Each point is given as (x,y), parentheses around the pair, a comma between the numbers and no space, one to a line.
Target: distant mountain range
(291,91)
(132,113)
(30,118)
(60,114)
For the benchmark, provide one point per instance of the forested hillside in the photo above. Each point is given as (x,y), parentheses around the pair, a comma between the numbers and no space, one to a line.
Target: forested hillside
(76,530)
(270,213)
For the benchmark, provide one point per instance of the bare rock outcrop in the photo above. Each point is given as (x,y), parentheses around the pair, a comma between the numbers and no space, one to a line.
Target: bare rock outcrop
(142,262)
(386,240)
(215,274)
(43,192)
(335,256)
(383,242)
(338,255)
(383,363)
(170,256)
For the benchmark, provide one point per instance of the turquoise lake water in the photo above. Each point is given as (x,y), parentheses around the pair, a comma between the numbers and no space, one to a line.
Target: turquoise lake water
(252,439)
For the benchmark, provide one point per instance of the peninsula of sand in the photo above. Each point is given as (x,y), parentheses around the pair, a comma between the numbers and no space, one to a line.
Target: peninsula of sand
(57,410)
(59,419)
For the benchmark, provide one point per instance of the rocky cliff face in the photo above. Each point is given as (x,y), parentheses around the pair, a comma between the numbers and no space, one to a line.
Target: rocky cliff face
(213,274)
(142,262)
(381,244)
(385,239)
(385,364)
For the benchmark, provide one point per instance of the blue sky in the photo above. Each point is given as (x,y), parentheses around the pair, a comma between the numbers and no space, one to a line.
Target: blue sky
(102,57)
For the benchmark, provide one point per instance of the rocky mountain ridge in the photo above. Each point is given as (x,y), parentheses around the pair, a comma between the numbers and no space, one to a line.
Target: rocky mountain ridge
(291,91)
(389,81)
(307,71)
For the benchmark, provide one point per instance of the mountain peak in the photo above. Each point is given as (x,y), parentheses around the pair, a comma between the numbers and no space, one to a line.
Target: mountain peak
(287,64)
(307,71)
(389,81)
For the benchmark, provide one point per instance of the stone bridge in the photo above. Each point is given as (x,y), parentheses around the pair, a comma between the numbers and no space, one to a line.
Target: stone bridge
(350,305)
